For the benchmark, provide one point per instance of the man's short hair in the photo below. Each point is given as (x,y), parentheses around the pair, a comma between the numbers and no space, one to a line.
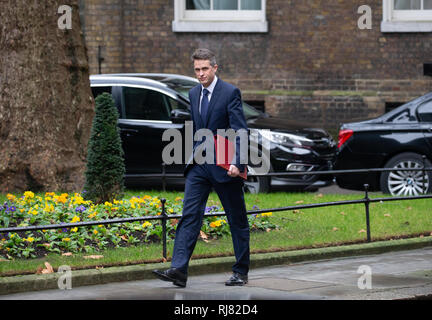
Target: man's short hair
(204,54)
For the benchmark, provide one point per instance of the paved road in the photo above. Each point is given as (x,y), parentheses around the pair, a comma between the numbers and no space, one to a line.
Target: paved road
(394,275)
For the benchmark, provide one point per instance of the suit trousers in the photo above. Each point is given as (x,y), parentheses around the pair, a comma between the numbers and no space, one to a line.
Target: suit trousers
(199,183)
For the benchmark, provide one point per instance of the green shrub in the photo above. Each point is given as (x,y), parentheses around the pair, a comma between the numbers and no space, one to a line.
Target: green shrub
(105,162)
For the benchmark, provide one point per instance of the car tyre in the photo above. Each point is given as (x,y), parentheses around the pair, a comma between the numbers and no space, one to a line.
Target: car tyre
(256,184)
(406,183)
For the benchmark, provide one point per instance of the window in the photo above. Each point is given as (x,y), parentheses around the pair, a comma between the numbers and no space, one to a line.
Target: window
(175,104)
(402,117)
(425,112)
(99,90)
(145,104)
(219,16)
(407,16)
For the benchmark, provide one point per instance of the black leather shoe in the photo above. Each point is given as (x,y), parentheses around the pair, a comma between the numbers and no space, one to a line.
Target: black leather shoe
(173,275)
(237,279)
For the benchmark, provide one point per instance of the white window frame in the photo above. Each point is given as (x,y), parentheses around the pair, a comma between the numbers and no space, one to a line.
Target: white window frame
(405,20)
(218,20)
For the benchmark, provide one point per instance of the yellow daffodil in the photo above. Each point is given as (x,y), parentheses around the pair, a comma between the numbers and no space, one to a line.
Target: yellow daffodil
(78,200)
(216,223)
(92,215)
(48,208)
(75,219)
(28,195)
(62,198)
(146,224)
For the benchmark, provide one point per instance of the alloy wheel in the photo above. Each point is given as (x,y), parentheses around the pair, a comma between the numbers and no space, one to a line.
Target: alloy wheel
(407,183)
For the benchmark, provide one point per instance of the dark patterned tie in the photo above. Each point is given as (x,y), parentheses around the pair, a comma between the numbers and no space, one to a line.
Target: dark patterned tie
(204,104)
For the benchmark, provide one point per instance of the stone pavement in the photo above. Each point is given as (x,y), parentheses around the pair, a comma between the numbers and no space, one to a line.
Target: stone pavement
(403,274)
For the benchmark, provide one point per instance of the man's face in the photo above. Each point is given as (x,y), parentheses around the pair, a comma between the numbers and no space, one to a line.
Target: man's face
(204,72)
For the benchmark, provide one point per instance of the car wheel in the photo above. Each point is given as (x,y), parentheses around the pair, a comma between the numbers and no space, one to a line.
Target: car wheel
(402,182)
(256,184)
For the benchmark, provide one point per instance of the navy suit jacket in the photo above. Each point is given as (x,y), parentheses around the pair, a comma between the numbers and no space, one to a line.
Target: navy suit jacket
(225,111)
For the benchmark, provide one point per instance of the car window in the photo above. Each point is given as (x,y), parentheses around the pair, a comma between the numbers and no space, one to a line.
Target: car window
(250,112)
(403,117)
(425,111)
(99,90)
(145,104)
(175,104)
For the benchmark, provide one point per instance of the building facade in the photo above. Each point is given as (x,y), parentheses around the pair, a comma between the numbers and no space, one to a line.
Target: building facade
(323,62)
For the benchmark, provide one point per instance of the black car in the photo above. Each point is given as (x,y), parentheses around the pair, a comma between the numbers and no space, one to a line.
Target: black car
(149,104)
(398,139)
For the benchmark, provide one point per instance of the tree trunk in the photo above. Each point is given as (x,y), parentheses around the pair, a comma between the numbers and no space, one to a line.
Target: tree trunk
(46,105)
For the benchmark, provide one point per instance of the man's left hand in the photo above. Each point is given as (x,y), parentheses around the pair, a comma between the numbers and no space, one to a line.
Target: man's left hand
(233,171)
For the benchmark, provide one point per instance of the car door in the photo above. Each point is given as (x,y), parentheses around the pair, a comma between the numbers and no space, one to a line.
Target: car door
(146,117)
(424,114)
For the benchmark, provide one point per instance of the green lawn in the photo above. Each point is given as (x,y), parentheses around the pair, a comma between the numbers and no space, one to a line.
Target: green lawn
(303,228)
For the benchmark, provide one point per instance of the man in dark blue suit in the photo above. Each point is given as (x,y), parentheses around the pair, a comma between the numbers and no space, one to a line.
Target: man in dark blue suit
(215,104)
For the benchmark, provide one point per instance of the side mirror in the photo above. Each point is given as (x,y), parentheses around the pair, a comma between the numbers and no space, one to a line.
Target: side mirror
(179,115)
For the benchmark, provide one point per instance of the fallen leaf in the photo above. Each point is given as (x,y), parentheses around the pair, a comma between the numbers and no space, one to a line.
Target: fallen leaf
(98,267)
(343,213)
(296,211)
(203,236)
(362,231)
(67,254)
(335,229)
(319,195)
(123,237)
(49,268)
(93,257)
(387,215)
(300,201)
(409,208)
(268,230)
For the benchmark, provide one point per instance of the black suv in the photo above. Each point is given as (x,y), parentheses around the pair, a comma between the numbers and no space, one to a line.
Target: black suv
(398,139)
(149,104)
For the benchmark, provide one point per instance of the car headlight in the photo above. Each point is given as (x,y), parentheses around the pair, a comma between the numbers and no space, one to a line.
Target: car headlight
(285,138)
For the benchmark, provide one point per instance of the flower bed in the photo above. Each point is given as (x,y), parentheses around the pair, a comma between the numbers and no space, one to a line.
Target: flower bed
(52,208)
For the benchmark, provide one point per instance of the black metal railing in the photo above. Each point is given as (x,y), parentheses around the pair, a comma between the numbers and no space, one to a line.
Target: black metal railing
(164,217)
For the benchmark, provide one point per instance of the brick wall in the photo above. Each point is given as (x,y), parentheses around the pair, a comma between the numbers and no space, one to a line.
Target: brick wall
(313,64)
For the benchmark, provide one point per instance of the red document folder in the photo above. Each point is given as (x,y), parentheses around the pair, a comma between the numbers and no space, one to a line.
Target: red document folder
(223,159)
